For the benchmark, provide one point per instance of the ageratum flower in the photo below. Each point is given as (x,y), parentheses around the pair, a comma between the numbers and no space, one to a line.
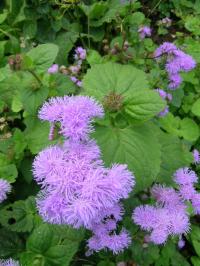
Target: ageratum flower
(105,236)
(176,62)
(77,189)
(196,156)
(74,114)
(144,31)
(5,188)
(53,69)
(168,217)
(9,262)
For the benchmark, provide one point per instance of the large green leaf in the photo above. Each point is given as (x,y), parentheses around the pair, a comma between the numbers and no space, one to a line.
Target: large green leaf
(19,216)
(175,154)
(137,147)
(125,86)
(43,56)
(144,105)
(10,243)
(50,245)
(103,79)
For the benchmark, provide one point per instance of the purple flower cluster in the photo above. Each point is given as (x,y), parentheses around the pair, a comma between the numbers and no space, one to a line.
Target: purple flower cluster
(9,262)
(166,96)
(196,156)
(53,69)
(144,31)
(168,217)
(5,188)
(104,232)
(77,189)
(176,61)
(80,55)
(186,178)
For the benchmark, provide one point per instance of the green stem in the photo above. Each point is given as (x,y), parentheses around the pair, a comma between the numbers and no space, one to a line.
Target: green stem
(5,33)
(88,24)
(35,76)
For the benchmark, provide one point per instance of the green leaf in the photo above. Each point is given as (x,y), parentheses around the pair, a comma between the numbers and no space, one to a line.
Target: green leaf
(9,172)
(41,238)
(137,147)
(19,216)
(43,56)
(103,79)
(195,261)
(174,154)
(3,16)
(37,134)
(196,108)
(189,130)
(10,243)
(36,98)
(30,28)
(144,105)
(65,42)
(93,57)
(186,128)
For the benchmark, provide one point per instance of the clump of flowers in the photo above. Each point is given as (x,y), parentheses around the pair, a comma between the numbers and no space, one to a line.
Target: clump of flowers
(9,262)
(166,96)
(169,216)
(74,70)
(144,31)
(5,188)
(77,189)
(186,178)
(176,62)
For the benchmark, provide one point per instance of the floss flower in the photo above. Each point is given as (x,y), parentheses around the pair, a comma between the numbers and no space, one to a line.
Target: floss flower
(144,31)
(5,188)
(74,114)
(167,218)
(53,69)
(77,189)
(196,156)
(176,62)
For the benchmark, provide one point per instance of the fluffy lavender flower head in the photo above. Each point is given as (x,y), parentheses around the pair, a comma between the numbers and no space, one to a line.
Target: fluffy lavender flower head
(79,83)
(80,53)
(53,69)
(185,176)
(164,112)
(162,93)
(5,188)
(165,48)
(9,262)
(187,191)
(104,236)
(145,216)
(196,203)
(196,156)
(177,61)
(74,113)
(181,243)
(175,81)
(73,79)
(144,31)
